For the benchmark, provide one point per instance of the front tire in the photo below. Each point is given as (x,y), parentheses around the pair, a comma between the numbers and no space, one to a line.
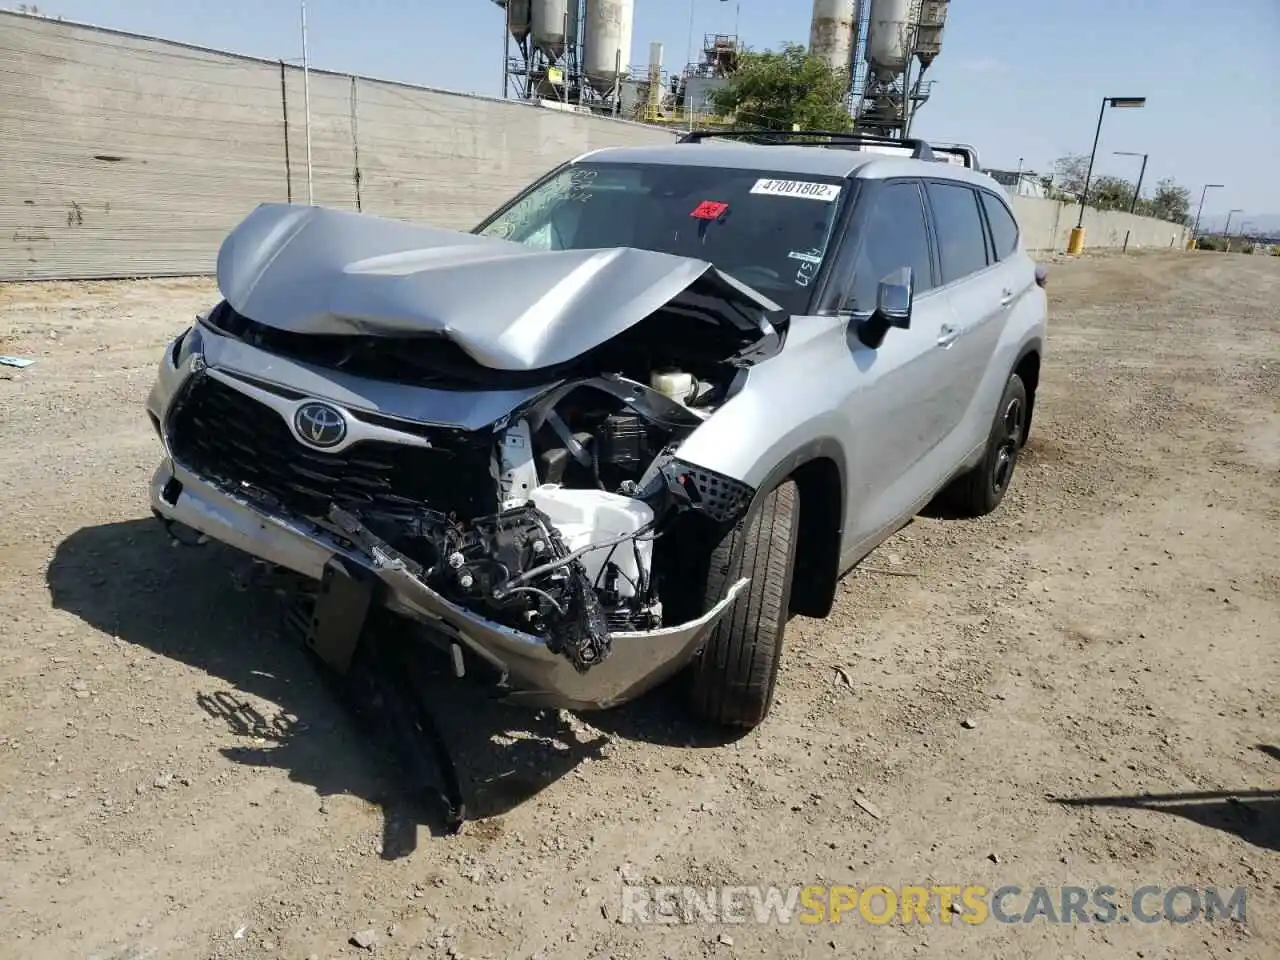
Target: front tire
(732,682)
(980,491)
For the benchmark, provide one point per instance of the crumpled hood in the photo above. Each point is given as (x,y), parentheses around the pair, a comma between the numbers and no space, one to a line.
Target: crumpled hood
(315,270)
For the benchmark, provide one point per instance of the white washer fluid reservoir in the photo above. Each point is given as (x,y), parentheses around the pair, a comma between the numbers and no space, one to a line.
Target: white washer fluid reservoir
(675,384)
(593,516)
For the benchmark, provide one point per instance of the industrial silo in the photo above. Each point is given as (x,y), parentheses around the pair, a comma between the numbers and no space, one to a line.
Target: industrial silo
(606,42)
(518,19)
(552,20)
(889,37)
(933,19)
(832,31)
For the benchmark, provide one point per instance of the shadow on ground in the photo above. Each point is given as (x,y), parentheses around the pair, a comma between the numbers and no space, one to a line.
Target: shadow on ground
(1252,815)
(200,606)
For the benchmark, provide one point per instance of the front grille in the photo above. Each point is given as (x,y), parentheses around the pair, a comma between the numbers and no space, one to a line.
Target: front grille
(228,436)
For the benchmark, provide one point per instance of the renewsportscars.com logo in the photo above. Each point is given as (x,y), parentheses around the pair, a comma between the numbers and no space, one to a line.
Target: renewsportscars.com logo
(969,904)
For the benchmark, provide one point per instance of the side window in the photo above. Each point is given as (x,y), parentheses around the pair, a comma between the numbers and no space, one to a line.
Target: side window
(1004,229)
(894,236)
(962,242)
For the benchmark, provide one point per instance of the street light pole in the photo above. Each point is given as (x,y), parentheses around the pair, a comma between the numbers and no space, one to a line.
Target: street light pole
(1226,229)
(1195,228)
(1137,191)
(1084,194)
(1076,243)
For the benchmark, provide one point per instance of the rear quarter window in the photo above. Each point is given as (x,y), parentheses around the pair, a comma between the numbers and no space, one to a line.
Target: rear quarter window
(957,221)
(1004,228)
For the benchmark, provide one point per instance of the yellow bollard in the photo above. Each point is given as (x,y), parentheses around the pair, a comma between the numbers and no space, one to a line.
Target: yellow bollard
(1076,244)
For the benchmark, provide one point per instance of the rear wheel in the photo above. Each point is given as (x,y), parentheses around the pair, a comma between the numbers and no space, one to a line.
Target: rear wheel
(980,491)
(732,681)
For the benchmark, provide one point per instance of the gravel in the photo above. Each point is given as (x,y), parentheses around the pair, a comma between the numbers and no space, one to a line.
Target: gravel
(1110,630)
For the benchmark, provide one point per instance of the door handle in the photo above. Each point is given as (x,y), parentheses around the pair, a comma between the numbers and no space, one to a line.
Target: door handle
(1006,297)
(948,335)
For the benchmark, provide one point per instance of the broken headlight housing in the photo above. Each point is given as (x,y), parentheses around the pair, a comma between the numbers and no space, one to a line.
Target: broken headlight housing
(190,341)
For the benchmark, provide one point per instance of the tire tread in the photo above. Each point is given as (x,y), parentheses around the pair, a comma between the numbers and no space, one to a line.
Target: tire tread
(734,678)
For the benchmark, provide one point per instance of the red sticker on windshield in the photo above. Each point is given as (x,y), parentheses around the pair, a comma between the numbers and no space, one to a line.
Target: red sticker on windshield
(709,210)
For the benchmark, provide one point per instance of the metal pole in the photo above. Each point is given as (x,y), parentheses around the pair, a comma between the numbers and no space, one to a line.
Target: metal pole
(306,96)
(1195,227)
(1226,230)
(284,110)
(564,68)
(506,43)
(1137,191)
(688,49)
(907,113)
(617,82)
(1084,196)
(355,140)
(688,68)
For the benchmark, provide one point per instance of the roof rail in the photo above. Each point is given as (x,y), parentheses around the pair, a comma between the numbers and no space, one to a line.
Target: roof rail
(920,150)
(849,140)
(967,154)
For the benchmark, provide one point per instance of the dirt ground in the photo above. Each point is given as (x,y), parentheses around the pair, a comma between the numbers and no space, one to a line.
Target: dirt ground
(1080,689)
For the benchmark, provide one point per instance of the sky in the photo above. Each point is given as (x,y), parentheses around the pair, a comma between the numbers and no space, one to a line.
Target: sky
(1018,84)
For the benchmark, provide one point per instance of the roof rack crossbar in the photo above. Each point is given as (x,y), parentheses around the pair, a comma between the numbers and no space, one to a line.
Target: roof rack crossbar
(920,149)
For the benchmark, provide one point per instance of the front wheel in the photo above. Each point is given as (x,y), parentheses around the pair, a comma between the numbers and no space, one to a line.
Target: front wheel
(978,492)
(732,681)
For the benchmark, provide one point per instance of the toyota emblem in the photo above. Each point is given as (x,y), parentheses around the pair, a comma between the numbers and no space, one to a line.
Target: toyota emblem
(320,424)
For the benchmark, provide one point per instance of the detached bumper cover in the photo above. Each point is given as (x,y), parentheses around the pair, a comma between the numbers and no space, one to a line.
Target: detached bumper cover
(538,677)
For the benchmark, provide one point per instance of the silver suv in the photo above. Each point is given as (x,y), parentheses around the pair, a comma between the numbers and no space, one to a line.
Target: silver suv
(628,426)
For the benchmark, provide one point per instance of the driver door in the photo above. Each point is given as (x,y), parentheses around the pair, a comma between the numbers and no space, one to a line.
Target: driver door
(897,412)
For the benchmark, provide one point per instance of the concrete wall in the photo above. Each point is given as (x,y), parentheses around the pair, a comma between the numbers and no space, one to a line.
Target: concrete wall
(1047,225)
(127,156)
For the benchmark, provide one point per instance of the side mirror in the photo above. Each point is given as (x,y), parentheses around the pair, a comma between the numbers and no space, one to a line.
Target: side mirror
(894,296)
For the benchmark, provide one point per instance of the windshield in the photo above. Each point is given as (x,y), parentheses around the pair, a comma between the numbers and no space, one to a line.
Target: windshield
(769,231)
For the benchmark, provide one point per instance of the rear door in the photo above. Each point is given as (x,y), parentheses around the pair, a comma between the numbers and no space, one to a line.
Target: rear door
(1021,302)
(974,290)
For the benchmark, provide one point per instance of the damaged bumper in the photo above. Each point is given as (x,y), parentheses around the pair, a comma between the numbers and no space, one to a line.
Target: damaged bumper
(534,674)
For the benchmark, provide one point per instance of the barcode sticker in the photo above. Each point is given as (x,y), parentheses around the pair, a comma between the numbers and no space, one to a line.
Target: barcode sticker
(803,189)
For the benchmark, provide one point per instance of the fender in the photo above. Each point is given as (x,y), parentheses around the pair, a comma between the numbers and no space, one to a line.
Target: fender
(1035,346)
(817,562)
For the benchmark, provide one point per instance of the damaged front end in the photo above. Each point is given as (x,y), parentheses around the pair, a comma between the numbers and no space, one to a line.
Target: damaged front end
(539,520)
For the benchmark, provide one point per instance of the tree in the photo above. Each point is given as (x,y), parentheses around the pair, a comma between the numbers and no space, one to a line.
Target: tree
(1110,193)
(778,90)
(1069,173)
(1171,202)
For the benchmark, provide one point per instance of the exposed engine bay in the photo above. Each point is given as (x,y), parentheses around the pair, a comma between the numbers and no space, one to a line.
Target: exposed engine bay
(594,511)
(570,519)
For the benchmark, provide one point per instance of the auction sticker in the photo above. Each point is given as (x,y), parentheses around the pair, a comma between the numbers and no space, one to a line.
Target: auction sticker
(807,190)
